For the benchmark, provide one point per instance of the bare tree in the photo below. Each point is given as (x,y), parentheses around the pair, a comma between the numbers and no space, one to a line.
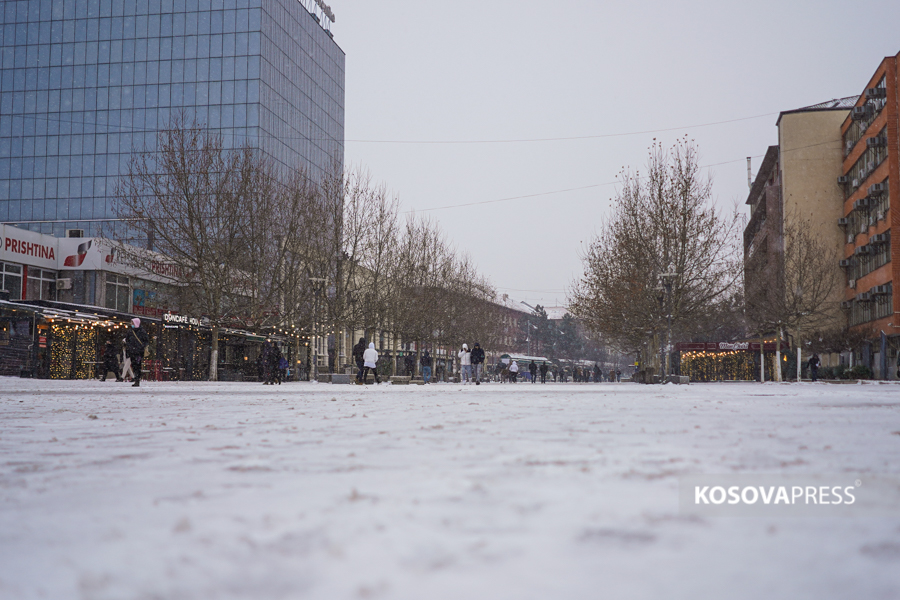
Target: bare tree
(664,229)
(799,292)
(222,220)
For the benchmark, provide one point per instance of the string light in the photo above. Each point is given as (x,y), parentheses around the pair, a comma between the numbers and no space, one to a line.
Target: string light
(732,365)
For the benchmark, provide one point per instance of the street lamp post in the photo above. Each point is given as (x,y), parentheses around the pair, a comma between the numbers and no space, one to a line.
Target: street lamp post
(318,283)
(667,279)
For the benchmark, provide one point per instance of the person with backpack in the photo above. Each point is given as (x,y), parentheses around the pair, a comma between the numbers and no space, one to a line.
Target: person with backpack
(544,369)
(532,368)
(136,343)
(477,358)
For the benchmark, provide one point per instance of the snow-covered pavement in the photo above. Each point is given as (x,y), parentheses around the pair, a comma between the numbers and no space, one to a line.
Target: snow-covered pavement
(229,490)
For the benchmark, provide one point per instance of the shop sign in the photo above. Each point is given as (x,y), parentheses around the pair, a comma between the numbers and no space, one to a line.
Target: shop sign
(174,319)
(722,346)
(42,341)
(27,247)
(734,346)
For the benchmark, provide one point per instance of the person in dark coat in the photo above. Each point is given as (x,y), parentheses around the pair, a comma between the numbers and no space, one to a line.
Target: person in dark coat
(426,366)
(409,362)
(274,367)
(532,368)
(477,358)
(136,341)
(544,369)
(111,361)
(358,350)
(265,359)
(814,363)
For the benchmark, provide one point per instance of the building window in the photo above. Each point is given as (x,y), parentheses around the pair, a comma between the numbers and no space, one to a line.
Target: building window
(868,162)
(858,128)
(41,284)
(117,292)
(880,304)
(11,280)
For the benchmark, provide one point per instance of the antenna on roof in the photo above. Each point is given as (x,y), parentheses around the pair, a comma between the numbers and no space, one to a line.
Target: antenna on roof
(749,174)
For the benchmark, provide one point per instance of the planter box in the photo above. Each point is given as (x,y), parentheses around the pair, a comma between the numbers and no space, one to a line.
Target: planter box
(340,378)
(324,378)
(399,380)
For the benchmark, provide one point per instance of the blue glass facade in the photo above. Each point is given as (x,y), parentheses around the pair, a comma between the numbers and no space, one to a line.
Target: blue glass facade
(84,83)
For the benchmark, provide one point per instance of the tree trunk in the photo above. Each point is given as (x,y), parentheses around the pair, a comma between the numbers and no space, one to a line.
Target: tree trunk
(778,356)
(214,356)
(762,359)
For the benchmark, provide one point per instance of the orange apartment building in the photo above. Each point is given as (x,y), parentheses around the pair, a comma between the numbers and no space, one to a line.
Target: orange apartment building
(871,151)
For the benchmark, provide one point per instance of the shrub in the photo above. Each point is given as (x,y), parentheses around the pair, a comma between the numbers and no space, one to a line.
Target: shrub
(861,372)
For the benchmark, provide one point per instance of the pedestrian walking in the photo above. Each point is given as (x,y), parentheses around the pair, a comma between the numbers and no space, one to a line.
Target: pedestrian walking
(358,351)
(513,371)
(275,358)
(814,363)
(370,362)
(110,361)
(465,364)
(533,368)
(544,369)
(477,358)
(265,361)
(136,342)
(426,361)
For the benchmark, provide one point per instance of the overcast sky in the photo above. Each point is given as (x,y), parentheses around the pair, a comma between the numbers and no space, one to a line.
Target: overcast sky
(524,70)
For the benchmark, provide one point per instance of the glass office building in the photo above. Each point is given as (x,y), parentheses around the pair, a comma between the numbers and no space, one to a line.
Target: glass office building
(84,83)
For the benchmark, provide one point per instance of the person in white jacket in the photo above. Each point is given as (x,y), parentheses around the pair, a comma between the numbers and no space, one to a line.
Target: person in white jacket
(370,360)
(465,364)
(513,371)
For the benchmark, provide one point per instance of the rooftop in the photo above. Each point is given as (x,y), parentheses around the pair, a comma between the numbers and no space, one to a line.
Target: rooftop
(835,104)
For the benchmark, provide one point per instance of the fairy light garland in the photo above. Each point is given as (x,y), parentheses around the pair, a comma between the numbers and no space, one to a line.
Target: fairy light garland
(734,365)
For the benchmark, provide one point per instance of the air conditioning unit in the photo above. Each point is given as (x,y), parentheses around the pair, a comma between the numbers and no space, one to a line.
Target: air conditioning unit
(876,142)
(879,215)
(851,283)
(845,262)
(843,179)
(864,297)
(876,189)
(873,93)
(74,233)
(858,113)
(862,250)
(861,203)
(64,284)
(847,304)
(843,221)
(851,237)
(880,238)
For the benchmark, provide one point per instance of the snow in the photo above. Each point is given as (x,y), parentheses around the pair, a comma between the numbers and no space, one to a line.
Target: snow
(230,490)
